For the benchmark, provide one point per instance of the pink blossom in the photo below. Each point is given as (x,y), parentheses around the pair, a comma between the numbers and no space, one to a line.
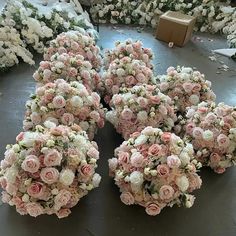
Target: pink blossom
(52,158)
(166,192)
(153,209)
(93,153)
(62,198)
(127,198)
(127,114)
(67,118)
(154,150)
(49,175)
(173,161)
(187,87)
(155,99)
(59,101)
(34,209)
(31,164)
(137,159)
(223,140)
(166,137)
(62,213)
(36,190)
(163,170)
(197,133)
(87,170)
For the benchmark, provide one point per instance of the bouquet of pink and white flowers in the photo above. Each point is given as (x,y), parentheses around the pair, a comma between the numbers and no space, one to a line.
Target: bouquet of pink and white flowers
(69,67)
(128,48)
(155,169)
(76,43)
(212,132)
(65,103)
(125,73)
(48,171)
(186,87)
(141,106)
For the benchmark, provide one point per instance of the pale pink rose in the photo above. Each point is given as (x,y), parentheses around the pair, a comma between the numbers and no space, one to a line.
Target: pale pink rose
(5,197)
(62,50)
(152,209)
(211,117)
(35,118)
(87,170)
(137,159)
(62,213)
(67,119)
(93,153)
(73,72)
(20,136)
(189,128)
(166,192)
(34,209)
(173,161)
(127,198)
(141,78)
(214,159)
(202,109)
(49,175)
(196,88)
(10,156)
(11,189)
(163,110)
(130,80)
(123,157)
(163,170)
(113,162)
(36,76)
(166,137)
(109,82)
(187,87)
(31,164)
(154,150)
(219,170)
(195,182)
(44,64)
(155,99)
(197,133)
(3,182)
(89,55)
(143,102)
(223,141)
(36,190)
(62,198)
(116,99)
(95,116)
(47,74)
(126,114)
(63,86)
(59,101)
(164,86)
(52,158)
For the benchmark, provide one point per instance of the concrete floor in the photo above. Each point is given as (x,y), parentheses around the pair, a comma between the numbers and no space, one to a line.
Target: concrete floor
(101,213)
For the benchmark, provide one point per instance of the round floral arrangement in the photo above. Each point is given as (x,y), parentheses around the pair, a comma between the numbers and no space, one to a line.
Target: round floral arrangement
(69,67)
(155,169)
(65,103)
(141,106)
(48,171)
(130,49)
(186,87)
(125,73)
(211,130)
(77,43)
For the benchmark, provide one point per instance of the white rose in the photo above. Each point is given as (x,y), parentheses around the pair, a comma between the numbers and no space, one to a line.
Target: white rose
(112,163)
(190,113)
(194,99)
(136,178)
(76,101)
(120,72)
(67,177)
(207,135)
(48,124)
(11,174)
(184,157)
(183,183)
(140,140)
(96,180)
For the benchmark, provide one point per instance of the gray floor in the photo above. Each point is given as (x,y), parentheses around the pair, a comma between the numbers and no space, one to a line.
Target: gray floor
(101,213)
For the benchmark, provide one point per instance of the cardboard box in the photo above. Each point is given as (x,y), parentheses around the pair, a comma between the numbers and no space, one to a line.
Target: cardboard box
(175,27)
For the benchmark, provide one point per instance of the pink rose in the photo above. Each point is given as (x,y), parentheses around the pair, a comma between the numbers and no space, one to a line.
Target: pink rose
(87,170)
(153,209)
(113,162)
(93,153)
(154,150)
(5,197)
(126,114)
(187,87)
(95,116)
(141,78)
(197,133)
(130,80)
(35,118)
(219,170)
(116,99)
(34,209)
(163,170)
(10,156)
(31,164)
(143,102)
(166,137)
(211,117)
(109,82)
(62,198)
(189,128)
(49,175)
(223,141)
(62,213)
(47,74)
(127,198)
(155,99)
(173,161)
(59,101)
(52,158)
(202,109)
(196,88)
(36,190)
(137,159)
(73,72)
(164,86)
(67,119)
(166,192)
(214,159)
(123,157)
(20,136)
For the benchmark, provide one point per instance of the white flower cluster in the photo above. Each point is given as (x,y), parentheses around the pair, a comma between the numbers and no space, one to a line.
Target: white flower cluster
(212,15)
(25,26)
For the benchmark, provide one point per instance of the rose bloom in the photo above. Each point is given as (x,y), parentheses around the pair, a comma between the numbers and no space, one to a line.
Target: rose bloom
(123,157)
(163,170)
(214,158)
(223,140)
(93,153)
(154,150)
(127,198)
(187,87)
(143,102)
(49,175)
(36,190)
(62,213)
(52,158)
(34,209)
(112,163)
(86,170)
(173,161)
(59,101)
(31,164)
(126,114)
(189,128)
(197,133)
(137,159)
(166,192)
(67,118)
(153,209)
(166,137)
(62,198)
(155,99)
